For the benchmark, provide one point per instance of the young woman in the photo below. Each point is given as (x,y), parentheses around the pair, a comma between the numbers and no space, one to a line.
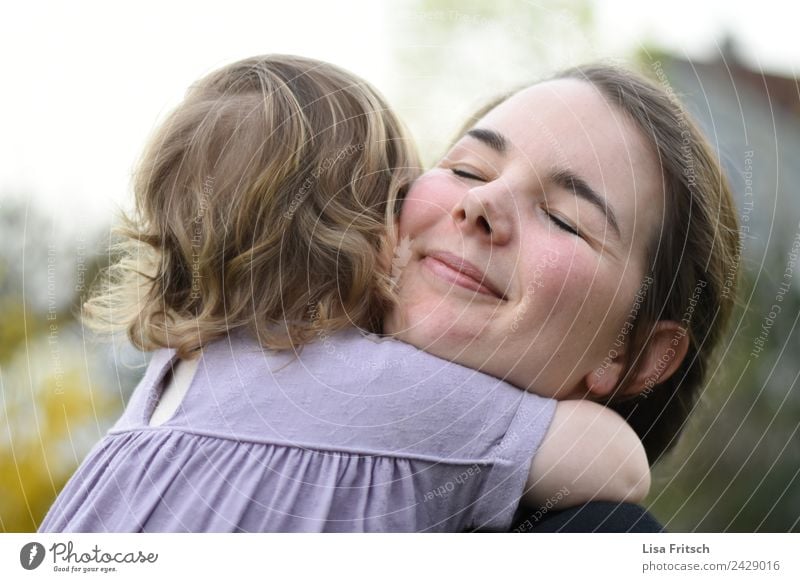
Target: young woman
(262,206)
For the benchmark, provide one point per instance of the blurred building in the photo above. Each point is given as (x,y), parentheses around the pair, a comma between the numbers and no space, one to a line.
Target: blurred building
(753,119)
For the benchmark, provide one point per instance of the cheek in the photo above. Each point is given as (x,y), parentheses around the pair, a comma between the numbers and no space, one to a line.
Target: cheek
(564,287)
(558,270)
(430,198)
(580,297)
(414,216)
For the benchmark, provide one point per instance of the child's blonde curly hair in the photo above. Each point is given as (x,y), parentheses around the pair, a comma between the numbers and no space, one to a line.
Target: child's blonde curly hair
(265,201)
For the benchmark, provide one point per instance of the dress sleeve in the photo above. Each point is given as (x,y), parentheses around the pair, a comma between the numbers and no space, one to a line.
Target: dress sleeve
(509,467)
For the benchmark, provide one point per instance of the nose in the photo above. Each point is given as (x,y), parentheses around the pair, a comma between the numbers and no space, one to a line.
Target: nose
(484,212)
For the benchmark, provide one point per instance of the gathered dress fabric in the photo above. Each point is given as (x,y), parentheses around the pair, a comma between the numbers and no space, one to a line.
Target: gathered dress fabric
(352,433)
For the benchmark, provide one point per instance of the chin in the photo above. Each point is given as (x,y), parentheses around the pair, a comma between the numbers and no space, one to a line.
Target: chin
(449,330)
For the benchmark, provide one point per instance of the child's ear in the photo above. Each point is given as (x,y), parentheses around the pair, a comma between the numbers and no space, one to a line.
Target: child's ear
(660,358)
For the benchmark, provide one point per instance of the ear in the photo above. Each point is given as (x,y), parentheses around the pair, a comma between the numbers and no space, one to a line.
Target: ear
(660,358)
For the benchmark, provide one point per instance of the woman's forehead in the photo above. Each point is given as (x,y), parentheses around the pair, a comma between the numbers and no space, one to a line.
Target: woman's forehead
(565,112)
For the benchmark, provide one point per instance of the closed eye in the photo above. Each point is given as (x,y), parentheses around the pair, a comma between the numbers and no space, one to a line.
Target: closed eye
(467,175)
(562,225)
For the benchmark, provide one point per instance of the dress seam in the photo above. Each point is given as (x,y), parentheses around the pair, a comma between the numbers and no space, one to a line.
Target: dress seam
(321,448)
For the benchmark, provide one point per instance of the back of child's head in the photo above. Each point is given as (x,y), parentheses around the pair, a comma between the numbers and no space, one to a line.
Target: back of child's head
(262,202)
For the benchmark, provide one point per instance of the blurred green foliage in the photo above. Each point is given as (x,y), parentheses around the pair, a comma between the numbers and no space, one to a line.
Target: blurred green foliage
(737,467)
(50,411)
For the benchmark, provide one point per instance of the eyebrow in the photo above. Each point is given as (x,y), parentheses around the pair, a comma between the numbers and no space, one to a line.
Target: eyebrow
(568,180)
(491,138)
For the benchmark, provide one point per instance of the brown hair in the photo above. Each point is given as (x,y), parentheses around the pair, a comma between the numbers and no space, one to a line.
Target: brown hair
(262,202)
(693,263)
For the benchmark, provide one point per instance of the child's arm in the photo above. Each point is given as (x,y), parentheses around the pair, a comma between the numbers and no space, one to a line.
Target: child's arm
(588,454)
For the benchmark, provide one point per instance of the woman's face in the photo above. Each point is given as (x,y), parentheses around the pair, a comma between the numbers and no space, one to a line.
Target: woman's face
(528,240)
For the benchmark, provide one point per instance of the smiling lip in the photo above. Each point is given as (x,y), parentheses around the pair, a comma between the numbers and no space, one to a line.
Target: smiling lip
(461,272)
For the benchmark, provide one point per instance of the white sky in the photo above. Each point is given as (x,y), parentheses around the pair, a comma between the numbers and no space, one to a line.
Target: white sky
(765,29)
(84,83)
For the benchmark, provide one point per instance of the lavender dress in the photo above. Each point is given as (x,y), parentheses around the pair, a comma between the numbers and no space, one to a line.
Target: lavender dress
(358,434)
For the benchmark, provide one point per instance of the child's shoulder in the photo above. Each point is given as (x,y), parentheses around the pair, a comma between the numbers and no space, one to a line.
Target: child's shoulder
(376,345)
(421,357)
